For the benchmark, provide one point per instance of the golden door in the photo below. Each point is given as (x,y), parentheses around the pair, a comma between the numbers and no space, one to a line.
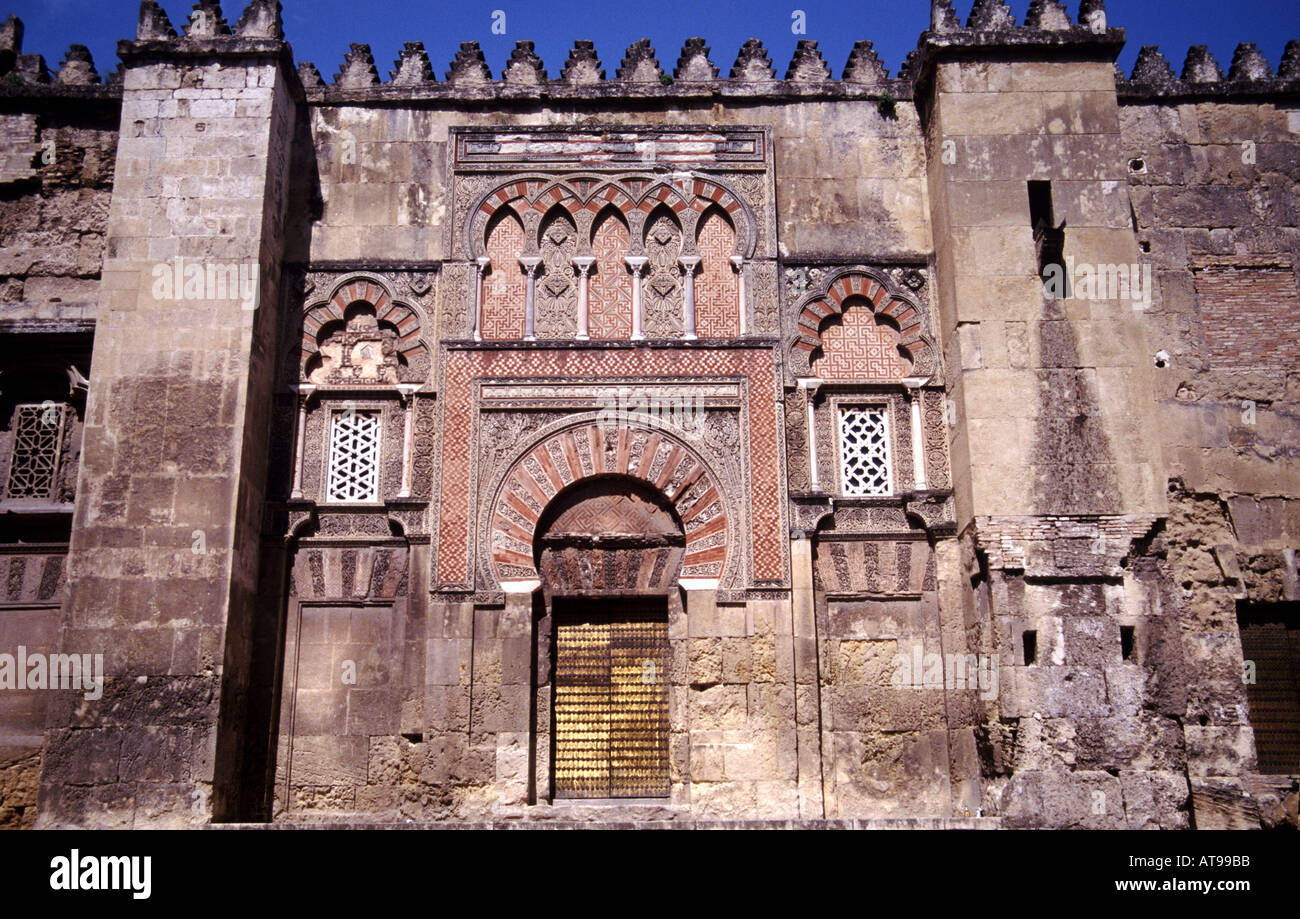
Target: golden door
(611,706)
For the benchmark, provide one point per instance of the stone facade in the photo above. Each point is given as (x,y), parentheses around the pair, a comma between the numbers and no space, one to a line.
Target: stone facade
(667,446)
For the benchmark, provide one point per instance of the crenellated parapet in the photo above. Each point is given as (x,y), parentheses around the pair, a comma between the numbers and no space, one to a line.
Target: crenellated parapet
(1249,75)
(469,67)
(807,65)
(865,66)
(78,68)
(258,32)
(261,19)
(639,75)
(752,63)
(28,75)
(583,66)
(358,68)
(413,66)
(694,65)
(1046,33)
(639,65)
(525,67)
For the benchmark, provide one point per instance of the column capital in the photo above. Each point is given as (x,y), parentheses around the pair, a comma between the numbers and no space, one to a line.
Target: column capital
(583,262)
(530,263)
(482,262)
(636,262)
(688,261)
(737,261)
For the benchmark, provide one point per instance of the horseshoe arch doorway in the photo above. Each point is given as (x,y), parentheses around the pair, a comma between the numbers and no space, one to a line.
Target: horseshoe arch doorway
(609,551)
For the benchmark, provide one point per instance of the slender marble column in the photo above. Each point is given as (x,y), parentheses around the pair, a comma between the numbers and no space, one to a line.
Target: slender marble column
(688,263)
(407,391)
(637,263)
(810,385)
(530,263)
(914,385)
(583,263)
(304,392)
(482,262)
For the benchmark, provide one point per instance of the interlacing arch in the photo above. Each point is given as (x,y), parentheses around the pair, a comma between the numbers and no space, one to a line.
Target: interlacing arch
(874,290)
(363,289)
(634,196)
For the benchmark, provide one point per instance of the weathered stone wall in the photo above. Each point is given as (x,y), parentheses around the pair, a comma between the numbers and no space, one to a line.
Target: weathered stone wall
(55,215)
(1049,388)
(1035,622)
(851,181)
(1057,472)
(164,541)
(735,709)
(1213,173)
(56,180)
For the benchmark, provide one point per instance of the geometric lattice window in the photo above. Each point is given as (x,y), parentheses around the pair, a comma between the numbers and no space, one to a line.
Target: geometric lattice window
(354,457)
(864,451)
(38,438)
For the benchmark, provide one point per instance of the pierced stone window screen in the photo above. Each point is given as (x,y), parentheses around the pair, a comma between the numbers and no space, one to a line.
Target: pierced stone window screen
(864,451)
(354,456)
(37,443)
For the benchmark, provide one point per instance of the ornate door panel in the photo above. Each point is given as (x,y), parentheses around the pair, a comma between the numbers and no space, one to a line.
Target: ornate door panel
(611,699)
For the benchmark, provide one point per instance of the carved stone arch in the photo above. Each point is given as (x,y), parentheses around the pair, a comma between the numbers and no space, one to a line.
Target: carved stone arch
(875,290)
(609,534)
(592,449)
(662,209)
(860,344)
(506,238)
(611,193)
(583,185)
(557,193)
(506,211)
(516,189)
(666,194)
(625,194)
(635,195)
(403,319)
(708,192)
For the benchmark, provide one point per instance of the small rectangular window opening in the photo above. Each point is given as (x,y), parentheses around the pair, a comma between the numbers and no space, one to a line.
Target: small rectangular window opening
(1049,240)
(1030,640)
(1126,642)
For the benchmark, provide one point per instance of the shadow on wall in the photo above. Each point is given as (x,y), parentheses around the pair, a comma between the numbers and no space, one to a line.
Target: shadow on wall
(1074,469)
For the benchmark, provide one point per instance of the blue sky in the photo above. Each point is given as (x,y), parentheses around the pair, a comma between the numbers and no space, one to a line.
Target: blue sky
(321,30)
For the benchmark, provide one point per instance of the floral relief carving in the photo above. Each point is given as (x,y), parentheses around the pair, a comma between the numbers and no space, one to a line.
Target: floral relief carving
(662,295)
(557,285)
